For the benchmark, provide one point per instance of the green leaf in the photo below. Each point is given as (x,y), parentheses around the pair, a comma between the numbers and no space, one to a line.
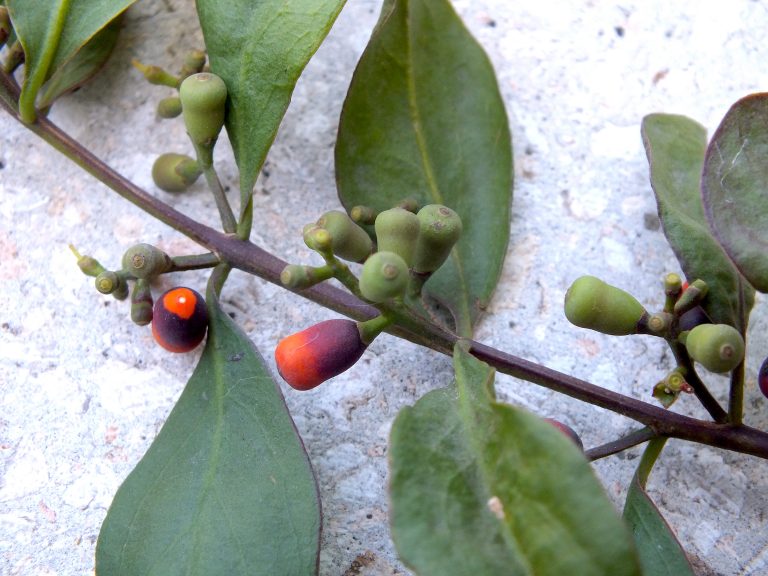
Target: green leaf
(424,118)
(660,552)
(735,187)
(479,487)
(51,33)
(226,487)
(260,49)
(675,146)
(83,64)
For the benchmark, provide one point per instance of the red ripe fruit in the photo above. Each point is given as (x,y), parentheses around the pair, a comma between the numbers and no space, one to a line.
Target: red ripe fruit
(762,378)
(312,356)
(568,431)
(179,320)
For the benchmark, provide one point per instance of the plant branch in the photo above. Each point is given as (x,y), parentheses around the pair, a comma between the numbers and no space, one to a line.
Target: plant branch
(619,445)
(250,258)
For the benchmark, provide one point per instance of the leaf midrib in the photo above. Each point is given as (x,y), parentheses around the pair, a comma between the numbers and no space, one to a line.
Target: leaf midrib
(462,316)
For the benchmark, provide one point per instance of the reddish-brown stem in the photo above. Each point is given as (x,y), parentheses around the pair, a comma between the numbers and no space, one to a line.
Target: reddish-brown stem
(253,259)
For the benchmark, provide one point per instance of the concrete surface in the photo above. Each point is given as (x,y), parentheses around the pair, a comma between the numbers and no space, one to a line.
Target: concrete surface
(84,391)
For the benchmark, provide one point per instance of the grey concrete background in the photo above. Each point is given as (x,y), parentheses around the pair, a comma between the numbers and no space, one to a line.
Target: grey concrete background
(83,391)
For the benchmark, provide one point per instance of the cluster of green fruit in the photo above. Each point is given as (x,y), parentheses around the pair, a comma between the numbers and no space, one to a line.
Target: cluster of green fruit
(179,317)
(591,303)
(410,245)
(201,101)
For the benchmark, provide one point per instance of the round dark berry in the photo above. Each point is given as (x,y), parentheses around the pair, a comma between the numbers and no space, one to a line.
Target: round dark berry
(179,320)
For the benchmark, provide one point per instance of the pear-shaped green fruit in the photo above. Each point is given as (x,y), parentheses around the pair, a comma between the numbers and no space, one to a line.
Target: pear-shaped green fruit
(175,172)
(348,240)
(440,229)
(203,99)
(591,303)
(146,261)
(384,276)
(397,230)
(717,347)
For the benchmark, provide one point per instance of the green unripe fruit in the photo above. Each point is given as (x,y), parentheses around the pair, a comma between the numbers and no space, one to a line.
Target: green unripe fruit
(141,303)
(175,172)
(203,99)
(384,276)
(146,261)
(591,303)
(348,240)
(440,229)
(169,107)
(397,230)
(717,347)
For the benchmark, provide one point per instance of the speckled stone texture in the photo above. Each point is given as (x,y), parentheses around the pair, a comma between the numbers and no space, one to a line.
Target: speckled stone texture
(83,391)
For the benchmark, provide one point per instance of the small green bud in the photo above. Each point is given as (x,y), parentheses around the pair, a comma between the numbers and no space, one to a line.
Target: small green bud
(717,347)
(591,303)
(169,107)
(397,230)
(673,284)
(194,62)
(440,229)
(363,215)
(300,277)
(693,296)
(384,276)
(146,261)
(348,240)
(667,390)
(121,293)
(156,75)
(203,99)
(141,302)
(108,282)
(88,265)
(409,204)
(175,172)
(317,239)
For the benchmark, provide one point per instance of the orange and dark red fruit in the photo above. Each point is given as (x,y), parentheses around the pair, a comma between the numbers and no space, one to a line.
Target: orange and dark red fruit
(179,320)
(312,356)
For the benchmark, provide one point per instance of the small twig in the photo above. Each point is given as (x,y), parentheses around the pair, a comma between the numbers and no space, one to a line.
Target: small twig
(194,262)
(620,444)
(228,221)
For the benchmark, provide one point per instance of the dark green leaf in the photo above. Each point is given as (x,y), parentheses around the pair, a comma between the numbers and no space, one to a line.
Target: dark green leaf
(675,146)
(83,64)
(51,33)
(735,186)
(226,488)
(424,119)
(479,487)
(660,552)
(260,49)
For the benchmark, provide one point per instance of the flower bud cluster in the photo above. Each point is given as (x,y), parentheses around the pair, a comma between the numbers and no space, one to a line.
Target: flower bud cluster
(179,317)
